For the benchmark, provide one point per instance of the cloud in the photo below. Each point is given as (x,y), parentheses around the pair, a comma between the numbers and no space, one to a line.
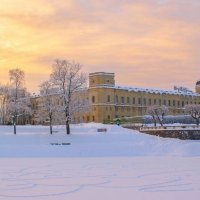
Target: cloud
(134,38)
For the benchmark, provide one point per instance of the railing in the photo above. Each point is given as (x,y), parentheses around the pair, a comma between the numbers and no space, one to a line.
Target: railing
(168,128)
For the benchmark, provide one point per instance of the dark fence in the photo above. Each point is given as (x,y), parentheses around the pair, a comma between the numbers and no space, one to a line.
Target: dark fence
(180,132)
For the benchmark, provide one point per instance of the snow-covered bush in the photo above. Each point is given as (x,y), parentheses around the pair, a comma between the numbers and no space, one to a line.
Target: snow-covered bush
(157,113)
(171,119)
(194,111)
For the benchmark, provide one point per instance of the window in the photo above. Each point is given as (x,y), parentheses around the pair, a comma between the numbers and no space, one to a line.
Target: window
(122,99)
(159,102)
(93,118)
(139,101)
(144,101)
(108,98)
(154,101)
(116,99)
(178,103)
(164,102)
(133,100)
(149,101)
(93,99)
(183,103)
(108,117)
(169,103)
(128,100)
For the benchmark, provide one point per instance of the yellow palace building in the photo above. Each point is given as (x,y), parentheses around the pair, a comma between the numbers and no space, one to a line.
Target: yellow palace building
(110,101)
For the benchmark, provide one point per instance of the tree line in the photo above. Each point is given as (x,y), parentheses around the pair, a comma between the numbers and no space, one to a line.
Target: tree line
(64,81)
(158,113)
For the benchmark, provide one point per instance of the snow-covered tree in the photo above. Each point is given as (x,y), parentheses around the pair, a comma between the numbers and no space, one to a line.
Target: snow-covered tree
(151,112)
(68,77)
(194,111)
(157,113)
(49,104)
(18,103)
(4,95)
(80,105)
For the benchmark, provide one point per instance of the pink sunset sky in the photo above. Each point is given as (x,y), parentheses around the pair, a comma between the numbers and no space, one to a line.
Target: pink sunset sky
(146,43)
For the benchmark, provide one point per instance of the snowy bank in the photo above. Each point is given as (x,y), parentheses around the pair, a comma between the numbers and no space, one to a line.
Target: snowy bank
(85,141)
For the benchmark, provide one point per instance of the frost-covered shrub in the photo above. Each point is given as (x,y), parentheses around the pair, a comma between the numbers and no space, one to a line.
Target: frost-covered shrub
(171,119)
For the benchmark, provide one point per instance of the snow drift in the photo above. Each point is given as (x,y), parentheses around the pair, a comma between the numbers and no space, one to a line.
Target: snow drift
(85,141)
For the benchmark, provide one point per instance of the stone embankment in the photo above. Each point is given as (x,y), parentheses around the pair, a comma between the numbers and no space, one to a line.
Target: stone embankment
(180,132)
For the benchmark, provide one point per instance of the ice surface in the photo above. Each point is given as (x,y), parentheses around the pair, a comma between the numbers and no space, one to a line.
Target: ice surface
(118,164)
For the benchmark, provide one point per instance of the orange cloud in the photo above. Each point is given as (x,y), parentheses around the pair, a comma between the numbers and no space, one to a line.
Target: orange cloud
(147,43)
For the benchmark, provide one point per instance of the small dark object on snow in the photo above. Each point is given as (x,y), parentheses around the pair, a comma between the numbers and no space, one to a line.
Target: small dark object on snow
(67,143)
(101,130)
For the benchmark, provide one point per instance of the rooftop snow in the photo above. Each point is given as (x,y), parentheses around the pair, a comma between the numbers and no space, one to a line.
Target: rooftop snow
(149,90)
(101,73)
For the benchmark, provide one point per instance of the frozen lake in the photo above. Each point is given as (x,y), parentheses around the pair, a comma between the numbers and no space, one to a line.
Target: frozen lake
(118,164)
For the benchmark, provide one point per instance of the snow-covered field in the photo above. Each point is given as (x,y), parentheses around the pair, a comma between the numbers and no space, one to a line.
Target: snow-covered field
(118,164)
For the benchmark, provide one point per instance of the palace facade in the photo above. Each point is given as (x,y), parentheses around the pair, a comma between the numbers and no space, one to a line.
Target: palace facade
(109,101)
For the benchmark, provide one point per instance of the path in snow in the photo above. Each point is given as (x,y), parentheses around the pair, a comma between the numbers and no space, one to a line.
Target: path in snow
(100,178)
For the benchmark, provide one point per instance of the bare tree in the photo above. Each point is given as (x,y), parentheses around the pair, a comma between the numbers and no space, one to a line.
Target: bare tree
(194,111)
(151,111)
(19,102)
(157,113)
(68,77)
(49,103)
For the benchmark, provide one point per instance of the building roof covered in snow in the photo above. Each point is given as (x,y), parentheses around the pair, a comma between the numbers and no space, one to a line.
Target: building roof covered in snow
(177,91)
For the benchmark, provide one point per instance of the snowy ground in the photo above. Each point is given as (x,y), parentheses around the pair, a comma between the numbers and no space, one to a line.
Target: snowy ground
(118,164)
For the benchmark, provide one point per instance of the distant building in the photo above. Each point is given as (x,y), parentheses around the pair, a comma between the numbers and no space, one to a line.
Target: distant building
(197,87)
(109,101)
